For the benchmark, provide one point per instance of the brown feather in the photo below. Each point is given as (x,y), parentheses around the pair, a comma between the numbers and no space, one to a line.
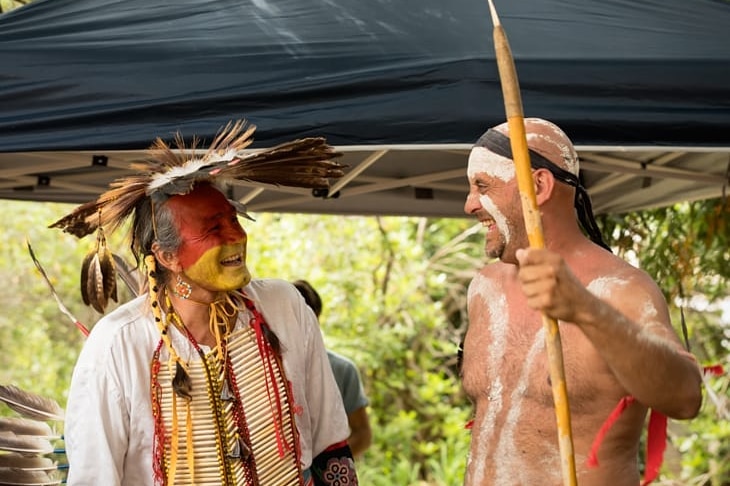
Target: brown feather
(110,209)
(85,265)
(98,275)
(23,426)
(95,285)
(22,461)
(108,271)
(30,405)
(26,444)
(23,477)
(233,137)
(129,274)
(305,162)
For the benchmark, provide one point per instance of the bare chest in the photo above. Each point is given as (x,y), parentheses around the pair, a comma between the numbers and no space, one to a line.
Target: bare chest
(507,354)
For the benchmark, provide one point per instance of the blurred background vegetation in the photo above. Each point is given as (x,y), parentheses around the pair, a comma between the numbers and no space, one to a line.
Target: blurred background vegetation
(394,301)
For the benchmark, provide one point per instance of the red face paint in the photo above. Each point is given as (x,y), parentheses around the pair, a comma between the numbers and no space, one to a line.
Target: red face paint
(213,249)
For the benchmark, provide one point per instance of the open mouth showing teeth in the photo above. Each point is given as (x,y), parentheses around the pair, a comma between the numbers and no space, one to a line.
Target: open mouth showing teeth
(232,260)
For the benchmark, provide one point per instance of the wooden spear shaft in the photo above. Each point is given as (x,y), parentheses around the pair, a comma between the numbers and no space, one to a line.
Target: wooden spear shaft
(521,155)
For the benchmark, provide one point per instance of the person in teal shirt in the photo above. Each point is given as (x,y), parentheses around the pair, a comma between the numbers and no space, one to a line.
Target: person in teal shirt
(348,380)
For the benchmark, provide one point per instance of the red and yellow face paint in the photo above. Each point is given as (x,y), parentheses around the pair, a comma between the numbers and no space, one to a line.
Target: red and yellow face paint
(213,249)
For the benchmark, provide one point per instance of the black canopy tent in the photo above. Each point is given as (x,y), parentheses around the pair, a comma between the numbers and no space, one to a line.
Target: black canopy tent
(402,87)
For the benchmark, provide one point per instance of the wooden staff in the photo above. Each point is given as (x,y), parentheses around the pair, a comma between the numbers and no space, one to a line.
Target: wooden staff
(521,155)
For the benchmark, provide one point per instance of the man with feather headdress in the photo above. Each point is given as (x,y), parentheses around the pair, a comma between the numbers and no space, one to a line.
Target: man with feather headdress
(209,377)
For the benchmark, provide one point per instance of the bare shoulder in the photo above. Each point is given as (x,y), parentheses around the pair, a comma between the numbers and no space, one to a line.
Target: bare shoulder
(607,275)
(492,279)
(627,288)
(497,270)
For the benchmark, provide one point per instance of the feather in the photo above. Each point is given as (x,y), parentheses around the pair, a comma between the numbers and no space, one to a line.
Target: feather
(108,270)
(62,307)
(22,461)
(305,162)
(30,405)
(109,210)
(130,275)
(178,180)
(26,444)
(85,265)
(98,275)
(22,426)
(22,477)
(95,284)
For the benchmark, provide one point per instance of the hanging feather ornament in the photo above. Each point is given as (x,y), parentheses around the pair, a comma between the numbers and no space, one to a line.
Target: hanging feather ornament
(98,275)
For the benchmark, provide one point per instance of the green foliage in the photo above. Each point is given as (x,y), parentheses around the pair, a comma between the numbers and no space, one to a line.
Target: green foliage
(39,343)
(384,282)
(685,249)
(8,5)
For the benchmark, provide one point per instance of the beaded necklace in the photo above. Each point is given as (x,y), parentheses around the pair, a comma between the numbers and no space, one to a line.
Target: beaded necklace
(233,443)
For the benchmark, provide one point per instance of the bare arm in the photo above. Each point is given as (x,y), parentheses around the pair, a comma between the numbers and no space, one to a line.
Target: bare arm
(361,435)
(630,328)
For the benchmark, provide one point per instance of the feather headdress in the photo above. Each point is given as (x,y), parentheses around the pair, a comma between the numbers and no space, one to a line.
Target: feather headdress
(175,170)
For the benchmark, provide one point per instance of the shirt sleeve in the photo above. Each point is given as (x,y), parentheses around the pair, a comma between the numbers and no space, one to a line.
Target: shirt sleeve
(326,411)
(96,427)
(349,382)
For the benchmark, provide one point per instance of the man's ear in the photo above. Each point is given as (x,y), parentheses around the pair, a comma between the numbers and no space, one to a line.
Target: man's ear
(167,259)
(544,185)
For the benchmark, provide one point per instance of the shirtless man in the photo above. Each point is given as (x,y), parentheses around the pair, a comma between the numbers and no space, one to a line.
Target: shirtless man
(614,323)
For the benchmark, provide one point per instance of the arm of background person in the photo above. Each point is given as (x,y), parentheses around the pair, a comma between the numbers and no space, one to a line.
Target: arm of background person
(361,434)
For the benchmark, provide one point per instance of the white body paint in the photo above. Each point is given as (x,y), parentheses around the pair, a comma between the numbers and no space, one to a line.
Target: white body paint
(506,453)
(602,286)
(499,318)
(505,466)
(551,135)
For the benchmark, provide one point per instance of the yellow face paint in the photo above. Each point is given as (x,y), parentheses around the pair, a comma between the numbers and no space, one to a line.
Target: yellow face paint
(221,268)
(213,248)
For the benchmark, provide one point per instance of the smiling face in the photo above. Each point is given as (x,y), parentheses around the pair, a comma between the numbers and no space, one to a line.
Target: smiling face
(494,200)
(213,249)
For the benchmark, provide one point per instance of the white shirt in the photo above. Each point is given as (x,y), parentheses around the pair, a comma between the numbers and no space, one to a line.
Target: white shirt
(109,429)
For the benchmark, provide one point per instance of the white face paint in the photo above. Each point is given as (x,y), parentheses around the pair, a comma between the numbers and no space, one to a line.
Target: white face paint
(484,161)
(500,220)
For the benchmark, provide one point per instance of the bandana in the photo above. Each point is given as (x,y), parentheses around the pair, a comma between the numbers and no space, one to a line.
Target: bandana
(499,144)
